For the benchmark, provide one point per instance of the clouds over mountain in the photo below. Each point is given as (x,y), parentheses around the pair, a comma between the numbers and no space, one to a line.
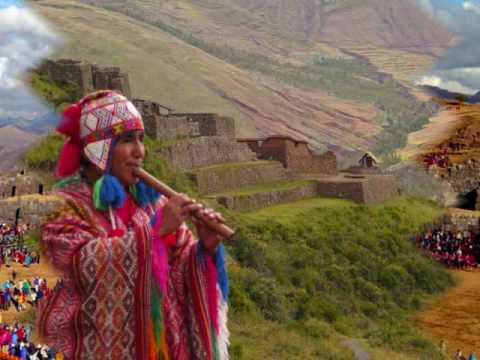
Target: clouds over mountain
(24,41)
(459,68)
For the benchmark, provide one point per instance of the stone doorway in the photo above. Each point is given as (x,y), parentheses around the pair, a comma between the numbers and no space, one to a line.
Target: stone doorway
(469,200)
(17,216)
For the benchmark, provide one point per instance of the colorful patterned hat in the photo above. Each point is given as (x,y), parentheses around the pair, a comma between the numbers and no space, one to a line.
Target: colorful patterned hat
(92,124)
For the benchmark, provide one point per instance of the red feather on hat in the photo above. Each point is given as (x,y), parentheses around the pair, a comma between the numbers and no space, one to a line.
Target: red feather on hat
(69,159)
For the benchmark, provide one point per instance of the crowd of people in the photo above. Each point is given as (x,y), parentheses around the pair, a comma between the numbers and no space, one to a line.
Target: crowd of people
(22,293)
(439,160)
(11,233)
(19,254)
(15,341)
(458,249)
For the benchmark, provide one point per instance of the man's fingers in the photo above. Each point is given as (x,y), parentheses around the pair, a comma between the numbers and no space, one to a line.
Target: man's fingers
(191,208)
(220,218)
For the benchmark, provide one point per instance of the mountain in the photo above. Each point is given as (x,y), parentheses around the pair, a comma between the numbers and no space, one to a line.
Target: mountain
(38,125)
(14,142)
(41,124)
(333,73)
(449,95)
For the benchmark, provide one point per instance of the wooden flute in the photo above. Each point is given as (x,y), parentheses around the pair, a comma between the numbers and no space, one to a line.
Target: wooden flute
(167,191)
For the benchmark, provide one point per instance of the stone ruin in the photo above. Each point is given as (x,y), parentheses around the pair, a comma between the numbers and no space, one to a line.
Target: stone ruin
(18,184)
(295,155)
(23,197)
(207,140)
(87,77)
(195,139)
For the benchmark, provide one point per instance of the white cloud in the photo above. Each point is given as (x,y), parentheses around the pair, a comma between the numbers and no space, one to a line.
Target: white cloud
(470,6)
(25,40)
(446,83)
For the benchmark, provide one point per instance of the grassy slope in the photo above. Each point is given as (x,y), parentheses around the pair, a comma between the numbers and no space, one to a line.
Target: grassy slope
(316,271)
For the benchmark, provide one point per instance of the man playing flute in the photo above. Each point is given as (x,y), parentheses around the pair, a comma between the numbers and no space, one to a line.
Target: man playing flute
(136,283)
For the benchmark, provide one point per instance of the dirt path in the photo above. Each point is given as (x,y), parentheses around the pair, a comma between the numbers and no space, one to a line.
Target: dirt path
(359,351)
(455,316)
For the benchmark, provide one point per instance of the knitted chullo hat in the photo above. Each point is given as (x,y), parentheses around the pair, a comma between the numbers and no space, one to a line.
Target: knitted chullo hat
(92,126)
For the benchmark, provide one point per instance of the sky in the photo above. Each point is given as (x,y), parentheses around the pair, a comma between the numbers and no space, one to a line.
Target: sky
(459,69)
(25,40)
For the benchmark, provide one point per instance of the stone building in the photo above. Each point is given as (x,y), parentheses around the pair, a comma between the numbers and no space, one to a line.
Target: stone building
(29,209)
(87,77)
(204,151)
(295,155)
(162,124)
(363,189)
(19,184)
(24,197)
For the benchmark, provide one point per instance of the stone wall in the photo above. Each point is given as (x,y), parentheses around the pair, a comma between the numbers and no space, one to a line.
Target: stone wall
(361,189)
(111,78)
(76,72)
(87,77)
(210,124)
(18,185)
(253,144)
(456,220)
(464,177)
(273,149)
(349,190)
(34,209)
(168,128)
(228,178)
(463,221)
(380,188)
(205,151)
(265,199)
(294,155)
(321,164)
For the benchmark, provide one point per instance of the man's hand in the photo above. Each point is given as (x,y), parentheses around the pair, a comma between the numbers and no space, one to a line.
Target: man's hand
(209,238)
(176,211)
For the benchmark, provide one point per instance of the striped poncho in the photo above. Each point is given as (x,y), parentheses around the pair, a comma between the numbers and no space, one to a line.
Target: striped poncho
(131,295)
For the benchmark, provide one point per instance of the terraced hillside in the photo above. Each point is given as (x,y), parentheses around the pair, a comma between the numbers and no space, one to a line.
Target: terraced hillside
(238,59)
(405,66)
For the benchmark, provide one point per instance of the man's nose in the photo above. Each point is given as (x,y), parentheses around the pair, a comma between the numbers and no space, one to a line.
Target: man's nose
(138,149)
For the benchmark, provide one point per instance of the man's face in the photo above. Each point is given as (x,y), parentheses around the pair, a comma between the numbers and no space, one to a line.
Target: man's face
(128,153)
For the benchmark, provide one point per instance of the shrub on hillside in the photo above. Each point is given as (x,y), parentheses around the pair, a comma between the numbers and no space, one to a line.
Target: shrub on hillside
(357,261)
(268,297)
(44,155)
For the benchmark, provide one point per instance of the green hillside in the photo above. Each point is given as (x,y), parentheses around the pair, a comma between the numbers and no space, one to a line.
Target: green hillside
(328,269)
